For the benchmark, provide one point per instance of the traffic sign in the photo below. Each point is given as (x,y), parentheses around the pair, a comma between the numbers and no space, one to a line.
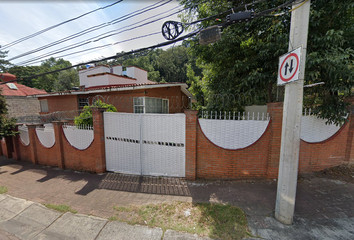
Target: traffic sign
(289,67)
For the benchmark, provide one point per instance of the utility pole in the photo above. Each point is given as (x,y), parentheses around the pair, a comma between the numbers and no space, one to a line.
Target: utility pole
(292,113)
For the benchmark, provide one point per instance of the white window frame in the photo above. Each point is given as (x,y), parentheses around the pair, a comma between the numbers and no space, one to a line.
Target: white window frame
(145,109)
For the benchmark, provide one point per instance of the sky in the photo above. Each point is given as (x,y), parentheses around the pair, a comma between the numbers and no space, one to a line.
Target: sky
(21,18)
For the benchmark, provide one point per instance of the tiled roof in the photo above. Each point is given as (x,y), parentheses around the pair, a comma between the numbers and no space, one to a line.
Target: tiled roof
(21,90)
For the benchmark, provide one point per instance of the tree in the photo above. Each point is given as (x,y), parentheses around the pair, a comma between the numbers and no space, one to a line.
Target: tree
(25,71)
(67,79)
(3,63)
(245,61)
(47,81)
(85,118)
(7,125)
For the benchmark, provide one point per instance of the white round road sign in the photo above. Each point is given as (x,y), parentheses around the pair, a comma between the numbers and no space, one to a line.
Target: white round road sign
(289,67)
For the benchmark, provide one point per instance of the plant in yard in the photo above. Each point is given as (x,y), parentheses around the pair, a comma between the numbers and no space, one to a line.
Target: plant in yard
(85,118)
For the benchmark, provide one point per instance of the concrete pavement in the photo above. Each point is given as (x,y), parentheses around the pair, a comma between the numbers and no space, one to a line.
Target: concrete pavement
(324,208)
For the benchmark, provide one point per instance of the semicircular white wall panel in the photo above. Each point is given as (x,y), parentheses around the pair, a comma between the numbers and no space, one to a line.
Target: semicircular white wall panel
(24,135)
(78,138)
(46,135)
(229,134)
(315,129)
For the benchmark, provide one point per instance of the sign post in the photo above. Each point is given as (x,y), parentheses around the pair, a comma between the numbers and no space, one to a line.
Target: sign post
(292,111)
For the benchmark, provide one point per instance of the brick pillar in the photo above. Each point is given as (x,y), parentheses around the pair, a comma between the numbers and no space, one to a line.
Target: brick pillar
(191,144)
(8,147)
(275,111)
(16,140)
(1,153)
(58,133)
(349,150)
(99,140)
(33,141)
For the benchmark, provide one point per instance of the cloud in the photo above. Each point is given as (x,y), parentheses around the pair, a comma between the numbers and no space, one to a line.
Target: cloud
(36,16)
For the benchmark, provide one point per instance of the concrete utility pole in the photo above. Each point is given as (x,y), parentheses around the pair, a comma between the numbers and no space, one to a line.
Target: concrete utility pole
(290,139)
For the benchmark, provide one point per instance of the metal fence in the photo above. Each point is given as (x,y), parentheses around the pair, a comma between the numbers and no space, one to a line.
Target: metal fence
(224,115)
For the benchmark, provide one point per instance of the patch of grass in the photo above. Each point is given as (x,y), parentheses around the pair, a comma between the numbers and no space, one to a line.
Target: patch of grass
(61,208)
(216,221)
(3,189)
(114,218)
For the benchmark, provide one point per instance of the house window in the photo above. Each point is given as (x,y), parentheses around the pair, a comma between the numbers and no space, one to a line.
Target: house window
(44,105)
(83,102)
(150,105)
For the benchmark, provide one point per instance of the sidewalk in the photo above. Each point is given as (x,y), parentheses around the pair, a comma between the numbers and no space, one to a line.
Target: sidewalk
(324,208)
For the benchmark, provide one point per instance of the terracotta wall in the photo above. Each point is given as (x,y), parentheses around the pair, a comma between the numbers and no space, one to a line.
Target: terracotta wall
(203,158)
(62,154)
(122,100)
(261,159)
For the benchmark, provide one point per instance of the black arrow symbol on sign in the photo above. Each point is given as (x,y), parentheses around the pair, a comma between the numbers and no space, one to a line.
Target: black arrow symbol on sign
(291,66)
(286,67)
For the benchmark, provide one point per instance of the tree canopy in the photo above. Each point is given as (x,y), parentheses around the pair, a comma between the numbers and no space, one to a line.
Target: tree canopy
(245,61)
(7,125)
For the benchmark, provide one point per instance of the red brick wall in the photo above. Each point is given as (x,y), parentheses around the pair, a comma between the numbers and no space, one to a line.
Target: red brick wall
(25,151)
(62,154)
(3,147)
(47,156)
(203,158)
(61,103)
(91,159)
(261,160)
(122,100)
(329,153)
(216,162)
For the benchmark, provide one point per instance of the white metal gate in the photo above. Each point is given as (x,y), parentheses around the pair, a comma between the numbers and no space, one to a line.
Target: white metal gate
(147,144)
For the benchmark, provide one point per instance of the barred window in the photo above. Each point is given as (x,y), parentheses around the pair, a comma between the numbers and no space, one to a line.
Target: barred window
(83,102)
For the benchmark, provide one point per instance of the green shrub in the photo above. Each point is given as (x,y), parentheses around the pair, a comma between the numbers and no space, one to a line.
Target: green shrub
(85,118)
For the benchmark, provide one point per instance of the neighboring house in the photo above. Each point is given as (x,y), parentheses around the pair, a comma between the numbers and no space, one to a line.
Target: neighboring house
(19,98)
(129,91)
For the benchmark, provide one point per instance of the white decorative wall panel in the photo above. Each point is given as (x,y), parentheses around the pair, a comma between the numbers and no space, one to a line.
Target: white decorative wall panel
(314,129)
(148,144)
(24,135)
(80,138)
(230,134)
(46,135)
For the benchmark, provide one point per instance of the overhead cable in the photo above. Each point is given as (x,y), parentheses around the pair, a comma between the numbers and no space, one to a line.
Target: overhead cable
(102,46)
(54,26)
(109,58)
(101,36)
(94,28)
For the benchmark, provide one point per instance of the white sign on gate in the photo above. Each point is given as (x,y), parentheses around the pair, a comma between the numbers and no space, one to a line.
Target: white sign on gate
(289,67)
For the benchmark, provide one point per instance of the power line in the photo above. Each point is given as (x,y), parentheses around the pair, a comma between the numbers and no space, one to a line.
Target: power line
(56,25)
(104,35)
(109,58)
(94,28)
(103,46)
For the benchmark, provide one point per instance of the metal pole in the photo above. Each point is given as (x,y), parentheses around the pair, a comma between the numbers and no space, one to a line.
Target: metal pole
(292,112)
